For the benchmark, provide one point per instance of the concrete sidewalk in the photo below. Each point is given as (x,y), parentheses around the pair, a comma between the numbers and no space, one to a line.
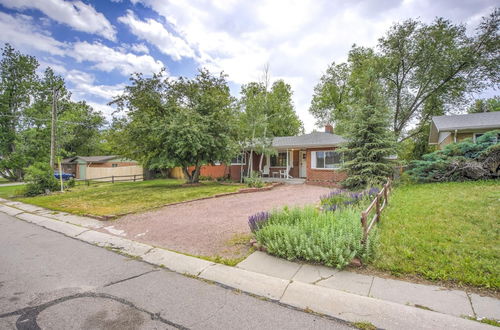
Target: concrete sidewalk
(430,297)
(311,288)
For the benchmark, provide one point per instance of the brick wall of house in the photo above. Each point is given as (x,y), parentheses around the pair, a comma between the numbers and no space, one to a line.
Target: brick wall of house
(323,177)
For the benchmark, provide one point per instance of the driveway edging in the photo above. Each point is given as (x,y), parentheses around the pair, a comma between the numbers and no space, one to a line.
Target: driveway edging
(327,301)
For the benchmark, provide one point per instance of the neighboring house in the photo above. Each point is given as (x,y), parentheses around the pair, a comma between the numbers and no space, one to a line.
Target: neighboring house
(455,128)
(90,167)
(313,157)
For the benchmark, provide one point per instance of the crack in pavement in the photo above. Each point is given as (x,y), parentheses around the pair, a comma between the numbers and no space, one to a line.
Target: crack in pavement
(28,315)
(322,278)
(129,278)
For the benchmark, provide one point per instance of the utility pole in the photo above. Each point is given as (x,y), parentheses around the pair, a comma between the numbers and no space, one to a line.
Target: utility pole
(55,92)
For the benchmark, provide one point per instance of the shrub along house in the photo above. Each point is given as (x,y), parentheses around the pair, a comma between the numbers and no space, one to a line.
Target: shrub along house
(312,157)
(450,129)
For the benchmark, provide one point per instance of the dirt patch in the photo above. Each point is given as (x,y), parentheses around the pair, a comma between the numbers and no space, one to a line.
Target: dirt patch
(211,227)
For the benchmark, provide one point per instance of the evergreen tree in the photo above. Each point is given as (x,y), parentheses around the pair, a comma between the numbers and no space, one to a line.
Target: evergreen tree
(370,141)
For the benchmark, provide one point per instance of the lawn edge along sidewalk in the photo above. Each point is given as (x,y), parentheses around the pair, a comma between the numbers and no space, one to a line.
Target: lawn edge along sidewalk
(308,297)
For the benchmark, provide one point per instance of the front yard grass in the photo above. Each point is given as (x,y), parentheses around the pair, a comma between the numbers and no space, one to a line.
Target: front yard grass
(443,232)
(107,199)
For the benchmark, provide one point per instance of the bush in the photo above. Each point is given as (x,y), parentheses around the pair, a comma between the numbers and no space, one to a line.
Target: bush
(340,198)
(254,180)
(331,238)
(206,178)
(40,179)
(462,161)
(70,183)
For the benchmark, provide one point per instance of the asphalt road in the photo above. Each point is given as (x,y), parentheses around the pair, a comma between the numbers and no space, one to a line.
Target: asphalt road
(50,281)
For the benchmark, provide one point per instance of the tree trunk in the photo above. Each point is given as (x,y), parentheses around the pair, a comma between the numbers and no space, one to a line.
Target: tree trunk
(188,175)
(194,175)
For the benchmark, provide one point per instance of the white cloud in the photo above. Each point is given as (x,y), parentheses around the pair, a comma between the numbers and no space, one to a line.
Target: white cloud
(298,38)
(140,48)
(76,14)
(108,59)
(156,34)
(83,86)
(19,31)
(106,110)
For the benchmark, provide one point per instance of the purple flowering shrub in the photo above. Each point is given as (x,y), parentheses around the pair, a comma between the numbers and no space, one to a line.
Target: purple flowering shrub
(340,198)
(257,220)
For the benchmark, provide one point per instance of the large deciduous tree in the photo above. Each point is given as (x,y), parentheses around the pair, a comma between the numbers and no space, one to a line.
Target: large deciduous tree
(266,111)
(17,81)
(423,65)
(25,116)
(178,122)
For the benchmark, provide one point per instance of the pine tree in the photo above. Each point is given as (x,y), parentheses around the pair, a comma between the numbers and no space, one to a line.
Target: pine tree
(370,141)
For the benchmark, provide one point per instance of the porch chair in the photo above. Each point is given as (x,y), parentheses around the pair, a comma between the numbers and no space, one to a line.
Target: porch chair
(285,175)
(265,171)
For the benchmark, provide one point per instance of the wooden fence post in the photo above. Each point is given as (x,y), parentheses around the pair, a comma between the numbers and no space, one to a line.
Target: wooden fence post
(112,179)
(134,177)
(363,222)
(377,204)
(386,187)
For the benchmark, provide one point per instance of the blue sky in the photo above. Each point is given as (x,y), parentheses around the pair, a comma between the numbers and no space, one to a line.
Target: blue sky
(96,45)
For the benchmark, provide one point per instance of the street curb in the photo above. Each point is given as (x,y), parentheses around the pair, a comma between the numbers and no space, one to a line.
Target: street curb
(325,301)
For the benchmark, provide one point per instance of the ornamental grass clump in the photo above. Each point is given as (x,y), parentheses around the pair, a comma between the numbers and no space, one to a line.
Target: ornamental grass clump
(330,238)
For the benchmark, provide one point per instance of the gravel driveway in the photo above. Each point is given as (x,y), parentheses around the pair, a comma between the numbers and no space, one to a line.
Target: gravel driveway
(210,227)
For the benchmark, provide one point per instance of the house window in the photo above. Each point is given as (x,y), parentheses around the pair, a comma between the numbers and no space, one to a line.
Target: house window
(326,159)
(114,165)
(278,160)
(241,159)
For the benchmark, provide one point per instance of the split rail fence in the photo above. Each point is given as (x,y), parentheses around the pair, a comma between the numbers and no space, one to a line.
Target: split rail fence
(113,179)
(376,207)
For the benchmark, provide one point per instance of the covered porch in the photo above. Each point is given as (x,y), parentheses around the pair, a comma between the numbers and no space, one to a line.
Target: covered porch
(286,164)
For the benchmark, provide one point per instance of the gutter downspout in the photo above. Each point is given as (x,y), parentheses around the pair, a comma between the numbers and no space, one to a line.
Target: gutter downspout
(455,137)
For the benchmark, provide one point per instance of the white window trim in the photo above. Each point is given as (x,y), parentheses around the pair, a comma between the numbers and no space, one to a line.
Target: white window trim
(244,159)
(313,162)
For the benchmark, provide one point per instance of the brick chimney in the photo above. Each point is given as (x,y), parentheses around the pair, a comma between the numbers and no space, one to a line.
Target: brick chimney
(328,128)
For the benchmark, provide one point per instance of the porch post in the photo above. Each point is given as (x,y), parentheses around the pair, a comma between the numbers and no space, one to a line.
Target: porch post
(287,163)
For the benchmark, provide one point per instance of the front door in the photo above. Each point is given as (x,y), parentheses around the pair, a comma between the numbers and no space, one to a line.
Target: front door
(303,163)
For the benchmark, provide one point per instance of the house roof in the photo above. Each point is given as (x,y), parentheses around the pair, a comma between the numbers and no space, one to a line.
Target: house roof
(473,121)
(90,159)
(312,140)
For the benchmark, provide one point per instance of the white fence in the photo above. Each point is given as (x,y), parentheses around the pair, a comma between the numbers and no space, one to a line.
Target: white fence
(99,172)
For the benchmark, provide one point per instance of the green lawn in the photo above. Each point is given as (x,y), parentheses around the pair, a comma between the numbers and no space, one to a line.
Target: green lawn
(443,231)
(11,191)
(122,197)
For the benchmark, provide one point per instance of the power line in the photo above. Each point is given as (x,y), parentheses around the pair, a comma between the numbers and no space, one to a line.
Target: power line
(43,119)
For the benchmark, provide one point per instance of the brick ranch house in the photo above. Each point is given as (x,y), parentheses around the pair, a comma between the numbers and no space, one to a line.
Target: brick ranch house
(312,157)
(455,128)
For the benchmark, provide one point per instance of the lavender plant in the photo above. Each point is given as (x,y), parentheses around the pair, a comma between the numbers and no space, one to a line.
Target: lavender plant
(257,220)
(330,238)
(340,198)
